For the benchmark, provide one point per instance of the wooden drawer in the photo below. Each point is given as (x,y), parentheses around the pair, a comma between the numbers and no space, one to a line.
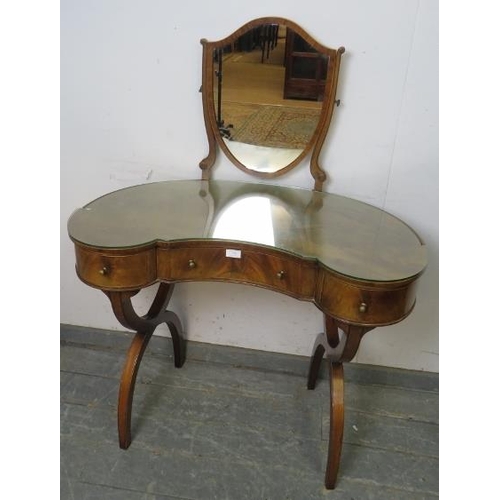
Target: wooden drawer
(107,270)
(376,304)
(238,264)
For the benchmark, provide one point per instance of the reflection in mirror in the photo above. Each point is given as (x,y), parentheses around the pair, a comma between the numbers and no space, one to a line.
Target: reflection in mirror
(268,94)
(268,91)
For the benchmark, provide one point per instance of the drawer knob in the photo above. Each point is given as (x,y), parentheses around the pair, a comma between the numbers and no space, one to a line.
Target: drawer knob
(191,264)
(103,271)
(363,307)
(280,275)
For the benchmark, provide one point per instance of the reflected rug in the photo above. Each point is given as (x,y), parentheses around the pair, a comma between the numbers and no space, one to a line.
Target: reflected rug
(271,126)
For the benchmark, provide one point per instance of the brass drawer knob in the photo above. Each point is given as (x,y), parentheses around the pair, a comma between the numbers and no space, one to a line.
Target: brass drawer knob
(280,275)
(191,264)
(363,307)
(103,271)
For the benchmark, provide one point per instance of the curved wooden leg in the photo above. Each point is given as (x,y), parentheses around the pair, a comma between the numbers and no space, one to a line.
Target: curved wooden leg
(336,423)
(315,364)
(144,326)
(340,342)
(158,314)
(127,385)
(178,342)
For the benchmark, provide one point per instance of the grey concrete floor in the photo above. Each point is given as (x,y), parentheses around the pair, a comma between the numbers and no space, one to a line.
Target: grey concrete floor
(237,424)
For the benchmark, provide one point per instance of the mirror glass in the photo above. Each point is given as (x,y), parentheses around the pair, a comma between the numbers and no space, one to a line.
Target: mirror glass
(268,91)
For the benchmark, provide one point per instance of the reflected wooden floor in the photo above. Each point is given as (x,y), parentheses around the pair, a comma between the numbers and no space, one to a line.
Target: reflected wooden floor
(239,424)
(247,80)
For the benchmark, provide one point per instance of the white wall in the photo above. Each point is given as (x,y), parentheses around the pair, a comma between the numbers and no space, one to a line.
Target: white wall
(131,113)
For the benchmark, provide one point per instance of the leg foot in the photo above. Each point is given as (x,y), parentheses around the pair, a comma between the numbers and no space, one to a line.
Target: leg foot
(336,423)
(127,385)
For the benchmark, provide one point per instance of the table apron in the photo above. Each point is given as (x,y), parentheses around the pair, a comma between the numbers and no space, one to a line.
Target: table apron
(350,300)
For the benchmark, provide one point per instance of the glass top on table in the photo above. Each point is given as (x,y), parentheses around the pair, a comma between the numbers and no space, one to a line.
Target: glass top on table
(345,235)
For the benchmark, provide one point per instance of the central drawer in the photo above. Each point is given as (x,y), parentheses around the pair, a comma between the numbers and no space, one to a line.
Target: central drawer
(239,264)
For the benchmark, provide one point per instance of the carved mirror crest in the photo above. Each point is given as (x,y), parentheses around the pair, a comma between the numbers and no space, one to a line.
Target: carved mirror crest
(268,98)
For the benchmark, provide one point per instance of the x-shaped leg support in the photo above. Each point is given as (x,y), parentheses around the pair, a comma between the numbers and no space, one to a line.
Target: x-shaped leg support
(144,326)
(340,342)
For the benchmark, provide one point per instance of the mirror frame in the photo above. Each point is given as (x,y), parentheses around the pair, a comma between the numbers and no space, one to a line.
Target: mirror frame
(315,143)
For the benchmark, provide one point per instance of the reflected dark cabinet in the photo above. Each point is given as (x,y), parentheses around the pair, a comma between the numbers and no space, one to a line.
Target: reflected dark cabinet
(305,69)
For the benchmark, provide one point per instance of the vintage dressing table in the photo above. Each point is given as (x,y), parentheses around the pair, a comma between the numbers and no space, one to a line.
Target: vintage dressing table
(358,264)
